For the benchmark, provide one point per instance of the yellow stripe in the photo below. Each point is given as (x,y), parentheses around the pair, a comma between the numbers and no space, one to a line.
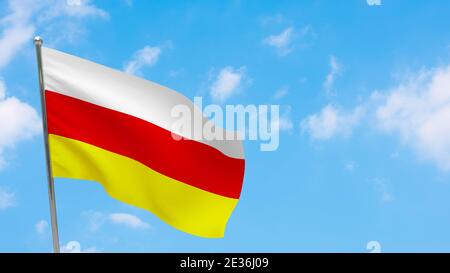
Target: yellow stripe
(185,207)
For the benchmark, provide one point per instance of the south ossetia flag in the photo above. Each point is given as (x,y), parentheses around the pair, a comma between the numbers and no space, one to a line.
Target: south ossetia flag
(116,129)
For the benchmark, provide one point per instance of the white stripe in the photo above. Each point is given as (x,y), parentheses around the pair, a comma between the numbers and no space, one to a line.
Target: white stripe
(103,86)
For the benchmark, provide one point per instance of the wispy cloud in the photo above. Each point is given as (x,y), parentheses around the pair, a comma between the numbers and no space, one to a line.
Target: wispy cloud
(282,41)
(7,199)
(147,56)
(129,220)
(331,121)
(25,124)
(350,166)
(175,73)
(418,111)
(382,187)
(62,22)
(335,70)
(289,39)
(97,219)
(80,8)
(16,29)
(284,123)
(24,17)
(281,92)
(373,2)
(228,82)
(41,226)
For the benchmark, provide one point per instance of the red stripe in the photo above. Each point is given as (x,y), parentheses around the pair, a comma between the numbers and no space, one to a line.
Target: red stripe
(187,161)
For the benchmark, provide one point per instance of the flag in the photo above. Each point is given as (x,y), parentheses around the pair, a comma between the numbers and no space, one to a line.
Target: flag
(117,129)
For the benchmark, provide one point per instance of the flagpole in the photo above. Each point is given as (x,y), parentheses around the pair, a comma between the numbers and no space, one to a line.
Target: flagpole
(51,188)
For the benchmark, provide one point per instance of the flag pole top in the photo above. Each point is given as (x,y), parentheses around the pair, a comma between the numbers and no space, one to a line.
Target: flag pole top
(38,40)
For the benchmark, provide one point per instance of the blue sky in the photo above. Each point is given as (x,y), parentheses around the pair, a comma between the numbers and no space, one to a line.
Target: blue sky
(364,94)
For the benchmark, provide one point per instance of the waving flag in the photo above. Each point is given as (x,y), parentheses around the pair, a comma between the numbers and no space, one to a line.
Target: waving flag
(117,129)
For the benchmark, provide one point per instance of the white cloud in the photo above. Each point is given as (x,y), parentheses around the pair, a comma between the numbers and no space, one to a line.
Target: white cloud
(41,226)
(62,21)
(284,123)
(74,2)
(71,8)
(418,111)
(7,199)
(12,40)
(75,247)
(289,39)
(18,26)
(330,122)
(282,41)
(16,29)
(175,73)
(25,124)
(281,92)
(97,219)
(147,56)
(128,220)
(228,82)
(335,70)
(382,187)
(373,2)
(350,166)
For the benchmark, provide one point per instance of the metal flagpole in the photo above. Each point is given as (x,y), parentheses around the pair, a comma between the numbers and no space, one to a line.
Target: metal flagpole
(51,189)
